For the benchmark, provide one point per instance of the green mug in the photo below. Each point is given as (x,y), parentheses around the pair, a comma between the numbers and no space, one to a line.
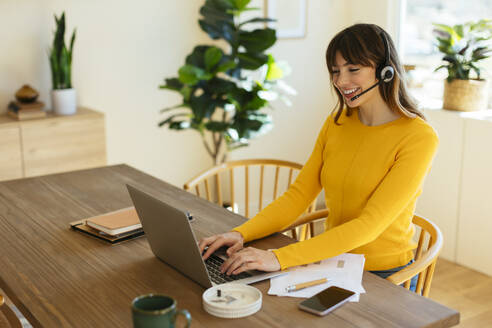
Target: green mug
(156,311)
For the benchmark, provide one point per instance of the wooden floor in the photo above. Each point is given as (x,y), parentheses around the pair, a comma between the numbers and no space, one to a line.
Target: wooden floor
(464,290)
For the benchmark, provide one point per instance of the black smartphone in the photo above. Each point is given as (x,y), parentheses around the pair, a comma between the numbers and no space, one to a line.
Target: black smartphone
(326,300)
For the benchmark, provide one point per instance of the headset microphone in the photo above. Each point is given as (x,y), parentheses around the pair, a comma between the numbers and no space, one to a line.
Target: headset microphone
(384,72)
(367,90)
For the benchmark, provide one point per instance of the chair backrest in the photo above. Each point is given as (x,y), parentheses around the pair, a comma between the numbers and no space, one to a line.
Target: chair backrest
(223,175)
(428,249)
(8,315)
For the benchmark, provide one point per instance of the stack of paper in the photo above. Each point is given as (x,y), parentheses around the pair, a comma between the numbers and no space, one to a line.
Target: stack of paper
(344,271)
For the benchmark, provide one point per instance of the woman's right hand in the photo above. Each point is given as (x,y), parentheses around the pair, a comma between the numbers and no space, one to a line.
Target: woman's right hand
(233,239)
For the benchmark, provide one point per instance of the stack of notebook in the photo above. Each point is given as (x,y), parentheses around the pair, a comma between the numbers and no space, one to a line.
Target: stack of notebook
(114,226)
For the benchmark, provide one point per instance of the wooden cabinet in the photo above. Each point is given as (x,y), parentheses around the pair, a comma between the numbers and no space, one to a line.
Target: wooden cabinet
(51,145)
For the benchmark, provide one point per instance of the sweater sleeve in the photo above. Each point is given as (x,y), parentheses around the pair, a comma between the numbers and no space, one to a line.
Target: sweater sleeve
(287,208)
(401,185)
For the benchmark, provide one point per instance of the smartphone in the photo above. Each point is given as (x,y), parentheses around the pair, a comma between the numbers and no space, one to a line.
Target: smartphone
(326,300)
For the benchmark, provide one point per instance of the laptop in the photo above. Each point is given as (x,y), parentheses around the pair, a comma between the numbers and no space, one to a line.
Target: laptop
(172,240)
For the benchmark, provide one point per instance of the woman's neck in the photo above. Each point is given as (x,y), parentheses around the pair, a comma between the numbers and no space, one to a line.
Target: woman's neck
(376,113)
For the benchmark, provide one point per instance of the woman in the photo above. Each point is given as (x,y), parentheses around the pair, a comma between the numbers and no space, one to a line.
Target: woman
(370,158)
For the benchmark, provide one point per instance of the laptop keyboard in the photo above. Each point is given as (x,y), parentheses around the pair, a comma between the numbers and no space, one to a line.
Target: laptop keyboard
(213,264)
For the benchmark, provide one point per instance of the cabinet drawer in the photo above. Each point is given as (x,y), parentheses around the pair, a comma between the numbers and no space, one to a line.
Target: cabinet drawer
(61,145)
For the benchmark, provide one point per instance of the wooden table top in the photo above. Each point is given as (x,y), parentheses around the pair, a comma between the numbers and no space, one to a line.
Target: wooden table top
(61,278)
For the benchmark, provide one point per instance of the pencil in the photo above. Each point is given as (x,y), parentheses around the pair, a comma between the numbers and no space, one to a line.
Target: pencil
(296,287)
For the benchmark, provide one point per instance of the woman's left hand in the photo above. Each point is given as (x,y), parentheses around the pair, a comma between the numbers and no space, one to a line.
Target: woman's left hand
(250,258)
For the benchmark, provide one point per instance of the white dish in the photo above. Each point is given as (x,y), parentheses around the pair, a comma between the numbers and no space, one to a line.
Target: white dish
(235,300)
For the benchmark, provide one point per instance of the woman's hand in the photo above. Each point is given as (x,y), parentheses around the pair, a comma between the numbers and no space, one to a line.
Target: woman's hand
(233,239)
(250,259)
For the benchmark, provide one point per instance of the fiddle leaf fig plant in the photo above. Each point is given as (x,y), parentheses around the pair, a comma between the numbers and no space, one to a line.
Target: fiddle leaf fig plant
(463,45)
(224,92)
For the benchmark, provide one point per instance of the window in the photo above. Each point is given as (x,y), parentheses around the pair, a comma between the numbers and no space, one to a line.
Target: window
(416,40)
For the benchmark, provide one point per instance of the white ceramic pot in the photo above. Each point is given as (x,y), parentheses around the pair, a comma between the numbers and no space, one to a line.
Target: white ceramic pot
(64,101)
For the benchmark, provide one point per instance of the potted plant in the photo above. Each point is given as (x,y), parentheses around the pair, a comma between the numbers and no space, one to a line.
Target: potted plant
(225,91)
(463,46)
(63,96)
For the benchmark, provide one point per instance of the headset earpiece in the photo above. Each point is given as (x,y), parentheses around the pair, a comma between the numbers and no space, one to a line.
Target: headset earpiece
(385,72)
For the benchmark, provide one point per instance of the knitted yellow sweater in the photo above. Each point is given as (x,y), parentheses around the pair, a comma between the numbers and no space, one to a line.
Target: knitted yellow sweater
(372,176)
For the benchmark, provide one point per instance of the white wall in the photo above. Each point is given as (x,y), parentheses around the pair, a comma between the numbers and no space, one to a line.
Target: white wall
(125,48)
(123,51)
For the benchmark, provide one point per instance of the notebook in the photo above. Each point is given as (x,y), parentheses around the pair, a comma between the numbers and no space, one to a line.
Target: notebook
(117,222)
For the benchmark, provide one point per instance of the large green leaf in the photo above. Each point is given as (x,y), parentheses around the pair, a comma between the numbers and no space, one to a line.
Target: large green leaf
(173,107)
(219,86)
(257,20)
(179,125)
(230,34)
(197,56)
(212,57)
(240,97)
(248,125)
(172,84)
(188,74)
(252,61)
(225,66)
(255,103)
(258,40)
(274,72)
(213,31)
(172,117)
(202,106)
(213,14)
(241,4)
(217,126)
(221,4)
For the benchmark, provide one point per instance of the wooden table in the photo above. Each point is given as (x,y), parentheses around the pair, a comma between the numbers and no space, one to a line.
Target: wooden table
(61,278)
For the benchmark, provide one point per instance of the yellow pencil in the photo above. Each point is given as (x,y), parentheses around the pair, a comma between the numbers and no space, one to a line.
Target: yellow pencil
(296,287)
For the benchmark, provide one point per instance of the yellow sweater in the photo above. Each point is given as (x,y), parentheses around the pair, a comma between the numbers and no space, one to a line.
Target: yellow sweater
(372,176)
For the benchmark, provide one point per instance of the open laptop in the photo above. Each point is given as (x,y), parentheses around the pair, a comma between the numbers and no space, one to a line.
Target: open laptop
(172,240)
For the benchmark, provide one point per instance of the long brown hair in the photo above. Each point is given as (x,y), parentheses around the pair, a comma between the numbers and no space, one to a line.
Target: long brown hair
(362,44)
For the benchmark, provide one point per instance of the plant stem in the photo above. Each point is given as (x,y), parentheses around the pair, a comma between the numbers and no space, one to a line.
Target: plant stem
(207,147)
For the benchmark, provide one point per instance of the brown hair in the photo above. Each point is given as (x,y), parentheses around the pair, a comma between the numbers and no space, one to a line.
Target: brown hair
(362,44)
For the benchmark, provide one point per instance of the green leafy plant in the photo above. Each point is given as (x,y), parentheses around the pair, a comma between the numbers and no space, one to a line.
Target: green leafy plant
(463,45)
(224,92)
(61,57)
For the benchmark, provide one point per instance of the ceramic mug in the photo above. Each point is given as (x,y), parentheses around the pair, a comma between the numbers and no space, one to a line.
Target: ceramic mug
(156,311)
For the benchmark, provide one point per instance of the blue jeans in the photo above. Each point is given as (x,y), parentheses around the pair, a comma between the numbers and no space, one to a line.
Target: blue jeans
(386,273)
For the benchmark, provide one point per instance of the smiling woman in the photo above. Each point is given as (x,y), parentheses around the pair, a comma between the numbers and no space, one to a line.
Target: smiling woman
(371,166)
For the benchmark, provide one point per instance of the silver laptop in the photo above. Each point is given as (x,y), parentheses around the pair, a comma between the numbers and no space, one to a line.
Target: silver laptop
(172,240)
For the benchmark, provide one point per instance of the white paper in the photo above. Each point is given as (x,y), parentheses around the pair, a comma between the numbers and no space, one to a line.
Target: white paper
(344,271)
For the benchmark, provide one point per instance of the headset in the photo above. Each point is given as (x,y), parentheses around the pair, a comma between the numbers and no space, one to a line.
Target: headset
(384,72)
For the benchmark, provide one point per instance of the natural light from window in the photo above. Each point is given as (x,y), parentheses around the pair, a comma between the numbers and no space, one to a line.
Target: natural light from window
(417,41)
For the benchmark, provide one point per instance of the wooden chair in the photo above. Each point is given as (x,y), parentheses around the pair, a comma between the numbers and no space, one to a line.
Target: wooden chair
(202,181)
(9,315)
(425,258)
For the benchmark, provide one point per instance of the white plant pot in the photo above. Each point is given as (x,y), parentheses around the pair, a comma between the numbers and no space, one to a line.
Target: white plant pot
(64,101)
